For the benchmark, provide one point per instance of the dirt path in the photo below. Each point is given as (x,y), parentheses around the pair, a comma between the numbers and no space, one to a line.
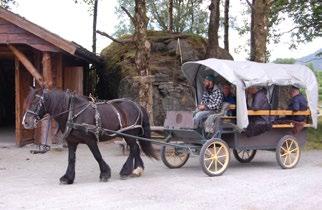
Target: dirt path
(31,182)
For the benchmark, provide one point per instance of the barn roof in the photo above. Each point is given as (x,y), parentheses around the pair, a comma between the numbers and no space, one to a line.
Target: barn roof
(59,42)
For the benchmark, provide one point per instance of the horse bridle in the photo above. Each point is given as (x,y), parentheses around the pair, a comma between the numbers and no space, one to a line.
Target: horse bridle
(40,105)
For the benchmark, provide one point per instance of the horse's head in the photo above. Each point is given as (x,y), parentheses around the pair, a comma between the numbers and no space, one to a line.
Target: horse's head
(35,106)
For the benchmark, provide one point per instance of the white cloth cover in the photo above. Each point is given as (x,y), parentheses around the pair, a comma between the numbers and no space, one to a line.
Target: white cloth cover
(244,74)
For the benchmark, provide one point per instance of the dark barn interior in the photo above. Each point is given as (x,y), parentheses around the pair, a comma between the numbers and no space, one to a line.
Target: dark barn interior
(7,93)
(7,100)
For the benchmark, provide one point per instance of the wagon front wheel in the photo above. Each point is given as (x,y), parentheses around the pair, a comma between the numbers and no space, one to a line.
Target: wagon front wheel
(244,155)
(214,157)
(288,152)
(174,157)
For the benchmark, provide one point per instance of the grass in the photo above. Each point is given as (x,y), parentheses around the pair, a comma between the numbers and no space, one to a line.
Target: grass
(314,137)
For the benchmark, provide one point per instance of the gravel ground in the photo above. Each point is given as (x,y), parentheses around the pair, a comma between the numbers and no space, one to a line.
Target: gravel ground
(31,182)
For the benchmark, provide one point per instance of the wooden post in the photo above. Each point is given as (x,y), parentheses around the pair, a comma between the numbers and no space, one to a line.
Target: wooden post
(59,71)
(28,65)
(18,108)
(46,69)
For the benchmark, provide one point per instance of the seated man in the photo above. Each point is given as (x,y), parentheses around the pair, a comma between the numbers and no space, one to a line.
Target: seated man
(228,96)
(297,103)
(258,124)
(211,101)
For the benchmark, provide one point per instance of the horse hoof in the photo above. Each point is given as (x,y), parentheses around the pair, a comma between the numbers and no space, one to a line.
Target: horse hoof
(64,180)
(104,178)
(124,177)
(137,172)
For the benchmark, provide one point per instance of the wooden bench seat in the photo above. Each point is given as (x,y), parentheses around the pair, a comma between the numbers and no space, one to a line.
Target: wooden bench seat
(273,113)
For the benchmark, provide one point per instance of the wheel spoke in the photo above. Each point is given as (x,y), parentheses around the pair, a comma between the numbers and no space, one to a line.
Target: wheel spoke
(290,145)
(243,154)
(220,163)
(283,149)
(283,154)
(210,165)
(295,149)
(221,156)
(216,165)
(286,142)
(218,151)
(285,160)
(208,151)
(208,158)
(247,152)
(215,151)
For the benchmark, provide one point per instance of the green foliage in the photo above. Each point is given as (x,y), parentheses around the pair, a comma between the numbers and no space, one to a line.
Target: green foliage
(285,60)
(314,137)
(90,3)
(7,3)
(306,16)
(187,16)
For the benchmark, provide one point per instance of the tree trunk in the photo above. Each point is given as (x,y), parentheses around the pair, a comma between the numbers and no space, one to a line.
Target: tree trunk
(170,15)
(226,25)
(212,48)
(94,25)
(259,29)
(142,43)
(192,17)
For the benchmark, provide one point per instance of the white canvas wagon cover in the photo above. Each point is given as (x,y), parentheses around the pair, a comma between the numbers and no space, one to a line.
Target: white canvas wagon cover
(244,74)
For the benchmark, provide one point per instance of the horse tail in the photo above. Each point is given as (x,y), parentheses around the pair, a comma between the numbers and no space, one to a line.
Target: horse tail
(146,146)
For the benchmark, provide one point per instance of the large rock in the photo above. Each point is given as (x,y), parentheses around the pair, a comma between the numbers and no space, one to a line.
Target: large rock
(170,89)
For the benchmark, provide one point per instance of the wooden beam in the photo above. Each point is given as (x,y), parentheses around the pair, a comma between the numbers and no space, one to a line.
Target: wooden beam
(278,112)
(28,65)
(47,70)
(289,125)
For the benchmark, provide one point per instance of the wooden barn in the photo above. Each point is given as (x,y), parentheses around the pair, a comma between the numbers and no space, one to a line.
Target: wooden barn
(31,55)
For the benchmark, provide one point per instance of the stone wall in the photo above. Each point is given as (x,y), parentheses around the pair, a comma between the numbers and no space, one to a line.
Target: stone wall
(166,88)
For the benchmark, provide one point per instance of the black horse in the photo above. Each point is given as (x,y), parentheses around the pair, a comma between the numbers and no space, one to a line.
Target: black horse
(68,109)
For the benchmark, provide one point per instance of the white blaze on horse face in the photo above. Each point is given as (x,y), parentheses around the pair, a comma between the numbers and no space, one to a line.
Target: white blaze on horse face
(25,124)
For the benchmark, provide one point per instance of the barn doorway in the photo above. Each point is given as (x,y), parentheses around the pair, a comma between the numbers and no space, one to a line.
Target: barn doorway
(7,100)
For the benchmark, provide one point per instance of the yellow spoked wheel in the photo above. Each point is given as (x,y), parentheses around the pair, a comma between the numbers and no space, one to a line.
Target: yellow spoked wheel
(288,152)
(214,157)
(174,157)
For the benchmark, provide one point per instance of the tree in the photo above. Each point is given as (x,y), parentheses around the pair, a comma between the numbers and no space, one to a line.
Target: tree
(306,17)
(260,10)
(285,60)
(170,16)
(7,3)
(93,10)
(212,47)
(187,16)
(142,43)
(226,25)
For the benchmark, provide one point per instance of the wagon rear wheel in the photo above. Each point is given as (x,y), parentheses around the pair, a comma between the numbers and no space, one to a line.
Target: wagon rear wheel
(174,157)
(288,152)
(214,157)
(244,156)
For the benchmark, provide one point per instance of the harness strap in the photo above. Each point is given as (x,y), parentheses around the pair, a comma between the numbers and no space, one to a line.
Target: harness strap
(116,111)
(68,128)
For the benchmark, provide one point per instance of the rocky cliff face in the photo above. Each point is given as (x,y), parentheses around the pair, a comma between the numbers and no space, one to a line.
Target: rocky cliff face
(169,87)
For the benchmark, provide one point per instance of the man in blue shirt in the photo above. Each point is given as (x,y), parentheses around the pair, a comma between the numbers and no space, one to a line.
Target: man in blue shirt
(297,103)
(211,101)
(228,96)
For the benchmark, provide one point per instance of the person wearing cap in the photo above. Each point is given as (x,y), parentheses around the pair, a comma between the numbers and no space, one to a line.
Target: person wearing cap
(211,101)
(297,103)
